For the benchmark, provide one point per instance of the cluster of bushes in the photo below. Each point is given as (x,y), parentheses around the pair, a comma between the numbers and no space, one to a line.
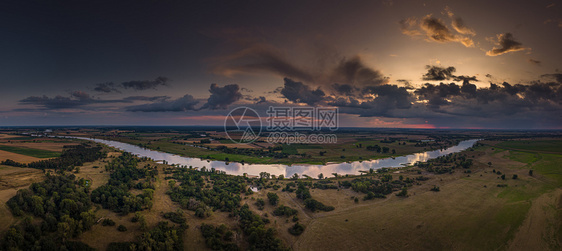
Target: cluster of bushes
(175,217)
(314,205)
(446,164)
(71,157)
(201,189)
(63,204)
(162,237)
(115,194)
(205,190)
(218,238)
(284,210)
(273,152)
(375,188)
(258,236)
(296,229)
(324,184)
(379,149)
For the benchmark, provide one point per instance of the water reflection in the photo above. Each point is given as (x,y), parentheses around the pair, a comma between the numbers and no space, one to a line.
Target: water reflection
(288,171)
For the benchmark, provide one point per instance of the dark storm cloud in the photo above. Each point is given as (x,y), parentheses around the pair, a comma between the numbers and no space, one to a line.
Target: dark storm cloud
(353,71)
(221,97)
(260,58)
(300,93)
(555,76)
(505,43)
(141,85)
(434,29)
(254,55)
(387,99)
(459,105)
(436,73)
(77,99)
(185,103)
(106,87)
(344,89)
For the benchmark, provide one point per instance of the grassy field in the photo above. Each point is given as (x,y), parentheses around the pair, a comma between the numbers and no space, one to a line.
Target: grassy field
(33,152)
(470,213)
(545,146)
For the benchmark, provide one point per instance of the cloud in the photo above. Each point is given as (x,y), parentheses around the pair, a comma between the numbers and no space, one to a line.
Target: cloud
(534,61)
(221,97)
(300,93)
(458,23)
(460,27)
(555,76)
(141,85)
(77,99)
(556,21)
(260,99)
(106,87)
(259,58)
(344,89)
(185,103)
(505,43)
(435,30)
(255,55)
(353,71)
(147,98)
(436,73)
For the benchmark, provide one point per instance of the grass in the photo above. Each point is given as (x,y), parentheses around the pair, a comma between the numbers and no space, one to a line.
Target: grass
(524,157)
(550,146)
(550,167)
(37,153)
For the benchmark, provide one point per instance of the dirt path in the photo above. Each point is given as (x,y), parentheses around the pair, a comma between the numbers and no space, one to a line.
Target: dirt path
(540,230)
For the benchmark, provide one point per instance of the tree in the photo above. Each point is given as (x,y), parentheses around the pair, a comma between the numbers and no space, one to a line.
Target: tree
(260,203)
(273,198)
(265,175)
(320,176)
(530,172)
(403,193)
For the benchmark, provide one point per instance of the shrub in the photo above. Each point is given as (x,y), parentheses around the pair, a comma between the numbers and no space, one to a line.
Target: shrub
(314,205)
(403,193)
(296,229)
(108,222)
(284,210)
(122,228)
(273,198)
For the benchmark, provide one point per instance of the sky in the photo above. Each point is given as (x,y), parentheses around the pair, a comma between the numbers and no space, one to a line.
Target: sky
(382,63)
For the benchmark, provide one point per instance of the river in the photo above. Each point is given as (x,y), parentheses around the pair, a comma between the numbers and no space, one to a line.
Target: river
(234,168)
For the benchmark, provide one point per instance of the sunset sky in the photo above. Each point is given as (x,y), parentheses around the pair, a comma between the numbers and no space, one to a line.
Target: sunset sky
(383,63)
